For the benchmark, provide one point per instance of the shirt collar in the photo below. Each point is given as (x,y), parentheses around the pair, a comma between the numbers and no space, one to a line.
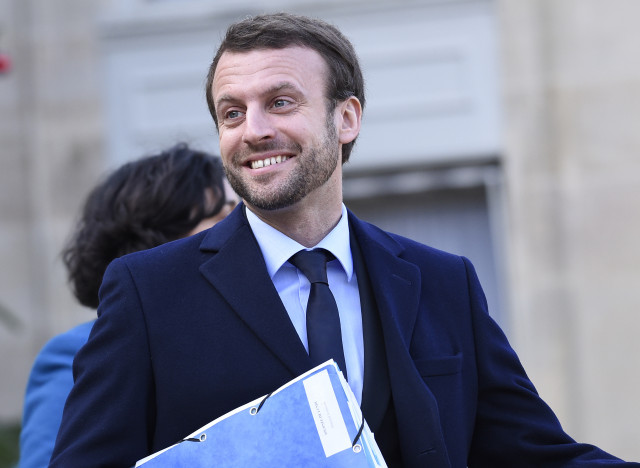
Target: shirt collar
(277,248)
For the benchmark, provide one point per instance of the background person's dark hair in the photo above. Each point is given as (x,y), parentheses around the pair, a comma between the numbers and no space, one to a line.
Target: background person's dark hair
(143,204)
(280,30)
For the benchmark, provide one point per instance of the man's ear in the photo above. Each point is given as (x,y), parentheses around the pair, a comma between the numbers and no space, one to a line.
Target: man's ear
(350,119)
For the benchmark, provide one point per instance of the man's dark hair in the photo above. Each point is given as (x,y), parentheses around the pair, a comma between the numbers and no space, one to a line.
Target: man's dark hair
(280,30)
(141,205)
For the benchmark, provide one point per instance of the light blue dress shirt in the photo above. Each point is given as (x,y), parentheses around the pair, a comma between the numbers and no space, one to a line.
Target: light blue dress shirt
(293,287)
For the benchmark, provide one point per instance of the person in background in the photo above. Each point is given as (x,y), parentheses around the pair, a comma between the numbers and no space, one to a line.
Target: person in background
(143,204)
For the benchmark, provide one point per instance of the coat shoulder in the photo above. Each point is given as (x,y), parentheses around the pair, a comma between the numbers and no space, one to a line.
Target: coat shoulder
(406,248)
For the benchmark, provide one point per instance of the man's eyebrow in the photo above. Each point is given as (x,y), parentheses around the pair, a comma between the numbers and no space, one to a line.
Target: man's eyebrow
(224,98)
(282,86)
(276,88)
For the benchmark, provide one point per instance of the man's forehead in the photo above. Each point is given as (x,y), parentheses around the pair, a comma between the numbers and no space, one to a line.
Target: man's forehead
(286,67)
(286,56)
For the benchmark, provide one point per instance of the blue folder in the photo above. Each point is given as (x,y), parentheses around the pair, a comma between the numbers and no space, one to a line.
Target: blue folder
(312,421)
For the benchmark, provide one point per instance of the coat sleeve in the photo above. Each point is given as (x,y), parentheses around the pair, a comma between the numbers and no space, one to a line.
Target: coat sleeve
(49,384)
(112,401)
(514,426)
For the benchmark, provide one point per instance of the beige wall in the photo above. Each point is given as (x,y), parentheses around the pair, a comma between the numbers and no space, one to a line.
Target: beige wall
(571,81)
(572,154)
(51,150)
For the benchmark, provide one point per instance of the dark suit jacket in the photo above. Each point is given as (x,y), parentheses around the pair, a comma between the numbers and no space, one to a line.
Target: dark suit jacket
(194,328)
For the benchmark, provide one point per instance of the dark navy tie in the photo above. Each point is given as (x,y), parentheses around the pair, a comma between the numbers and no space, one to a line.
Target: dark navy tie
(323,321)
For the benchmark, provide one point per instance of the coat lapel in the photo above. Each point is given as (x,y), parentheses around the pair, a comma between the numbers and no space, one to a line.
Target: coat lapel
(238,272)
(396,286)
(396,281)
(376,390)
(236,269)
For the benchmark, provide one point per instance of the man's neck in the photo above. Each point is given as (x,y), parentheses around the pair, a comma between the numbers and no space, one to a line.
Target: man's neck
(306,226)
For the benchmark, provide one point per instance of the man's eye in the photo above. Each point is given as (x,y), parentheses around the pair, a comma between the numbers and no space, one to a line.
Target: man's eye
(280,103)
(233,114)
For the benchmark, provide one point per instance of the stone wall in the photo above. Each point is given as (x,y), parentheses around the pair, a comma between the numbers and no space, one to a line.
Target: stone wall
(572,95)
(52,138)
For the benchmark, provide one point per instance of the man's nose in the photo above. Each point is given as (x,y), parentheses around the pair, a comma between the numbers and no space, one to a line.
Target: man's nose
(258,126)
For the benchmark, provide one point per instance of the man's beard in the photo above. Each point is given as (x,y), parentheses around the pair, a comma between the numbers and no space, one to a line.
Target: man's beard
(312,169)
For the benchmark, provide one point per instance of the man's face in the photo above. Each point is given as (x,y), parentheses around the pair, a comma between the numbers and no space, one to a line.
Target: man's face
(277,141)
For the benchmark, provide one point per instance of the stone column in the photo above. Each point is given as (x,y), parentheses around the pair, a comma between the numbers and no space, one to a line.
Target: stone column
(572,157)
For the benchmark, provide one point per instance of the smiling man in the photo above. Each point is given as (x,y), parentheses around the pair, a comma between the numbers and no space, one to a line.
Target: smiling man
(195,328)
(280,138)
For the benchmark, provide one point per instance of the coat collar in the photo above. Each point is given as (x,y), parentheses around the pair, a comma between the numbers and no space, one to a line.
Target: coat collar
(235,246)
(237,270)
(396,281)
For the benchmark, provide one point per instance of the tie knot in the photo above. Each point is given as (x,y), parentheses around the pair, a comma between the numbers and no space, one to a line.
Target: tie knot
(313,264)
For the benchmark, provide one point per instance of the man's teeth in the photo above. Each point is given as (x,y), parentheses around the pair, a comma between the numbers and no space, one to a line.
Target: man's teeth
(268,162)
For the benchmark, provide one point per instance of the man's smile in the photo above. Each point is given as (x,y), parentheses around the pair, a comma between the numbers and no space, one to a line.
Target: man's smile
(259,163)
